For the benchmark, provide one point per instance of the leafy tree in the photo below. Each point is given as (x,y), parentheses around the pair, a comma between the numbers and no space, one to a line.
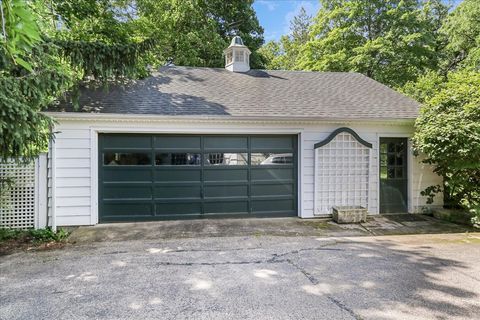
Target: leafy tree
(22,32)
(283,54)
(391,41)
(462,29)
(448,133)
(195,32)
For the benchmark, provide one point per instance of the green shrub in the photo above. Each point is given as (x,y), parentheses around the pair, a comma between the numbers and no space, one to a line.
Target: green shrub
(47,235)
(448,133)
(7,234)
(38,235)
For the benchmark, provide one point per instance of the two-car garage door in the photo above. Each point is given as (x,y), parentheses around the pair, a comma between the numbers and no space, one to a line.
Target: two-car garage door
(151,177)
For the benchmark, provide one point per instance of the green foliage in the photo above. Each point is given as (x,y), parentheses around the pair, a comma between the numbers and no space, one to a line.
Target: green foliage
(448,133)
(425,87)
(391,41)
(24,131)
(462,29)
(195,32)
(47,235)
(19,31)
(37,236)
(7,234)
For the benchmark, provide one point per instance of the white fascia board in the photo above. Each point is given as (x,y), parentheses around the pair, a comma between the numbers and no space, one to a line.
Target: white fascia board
(77,116)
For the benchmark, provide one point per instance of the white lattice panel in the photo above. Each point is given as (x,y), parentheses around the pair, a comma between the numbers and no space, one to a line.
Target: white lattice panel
(341,174)
(17,208)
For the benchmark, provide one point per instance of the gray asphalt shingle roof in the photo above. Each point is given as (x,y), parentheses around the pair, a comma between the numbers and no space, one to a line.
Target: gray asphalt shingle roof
(257,93)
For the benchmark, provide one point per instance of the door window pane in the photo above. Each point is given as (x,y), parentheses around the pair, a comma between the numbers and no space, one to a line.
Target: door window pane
(383,172)
(391,147)
(178,159)
(271,158)
(126,159)
(391,160)
(391,173)
(400,147)
(383,148)
(399,159)
(383,159)
(226,159)
(399,173)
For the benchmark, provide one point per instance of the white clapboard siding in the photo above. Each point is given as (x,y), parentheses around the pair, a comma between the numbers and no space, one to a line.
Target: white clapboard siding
(423,177)
(73,176)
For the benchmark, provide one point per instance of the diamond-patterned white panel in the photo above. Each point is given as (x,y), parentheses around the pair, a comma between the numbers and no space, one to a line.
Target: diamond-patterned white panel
(341,174)
(17,207)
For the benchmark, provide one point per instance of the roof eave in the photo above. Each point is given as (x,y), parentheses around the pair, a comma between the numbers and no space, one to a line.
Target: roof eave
(77,116)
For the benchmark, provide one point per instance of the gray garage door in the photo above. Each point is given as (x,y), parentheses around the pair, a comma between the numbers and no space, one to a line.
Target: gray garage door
(154,177)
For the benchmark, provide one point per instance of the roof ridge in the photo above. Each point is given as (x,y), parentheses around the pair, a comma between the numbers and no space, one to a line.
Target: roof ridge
(264,70)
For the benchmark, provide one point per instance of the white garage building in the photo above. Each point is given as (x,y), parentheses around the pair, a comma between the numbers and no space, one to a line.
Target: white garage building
(234,142)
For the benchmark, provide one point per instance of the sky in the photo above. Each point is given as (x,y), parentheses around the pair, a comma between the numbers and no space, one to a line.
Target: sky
(275,15)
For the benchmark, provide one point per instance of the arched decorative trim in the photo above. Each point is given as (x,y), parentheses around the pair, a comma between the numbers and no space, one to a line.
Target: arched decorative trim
(340,130)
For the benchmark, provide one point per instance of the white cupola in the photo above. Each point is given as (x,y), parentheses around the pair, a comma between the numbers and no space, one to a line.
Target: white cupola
(237,56)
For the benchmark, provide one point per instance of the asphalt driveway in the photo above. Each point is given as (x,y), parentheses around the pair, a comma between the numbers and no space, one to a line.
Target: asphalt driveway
(250,277)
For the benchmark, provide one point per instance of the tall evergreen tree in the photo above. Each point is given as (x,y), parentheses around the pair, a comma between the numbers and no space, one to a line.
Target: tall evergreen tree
(284,54)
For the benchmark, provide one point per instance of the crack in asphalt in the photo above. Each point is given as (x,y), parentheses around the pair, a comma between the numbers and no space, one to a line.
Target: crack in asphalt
(190,264)
(315,281)
(307,275)
(342,306)
(167,250)
(275,259)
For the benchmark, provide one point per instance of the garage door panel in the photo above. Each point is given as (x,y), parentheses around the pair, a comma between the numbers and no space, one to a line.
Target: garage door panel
(227,174)
(213,143)
(286,205)
(127,191)
(272,189)
(127,141)
(225,191)
(175,208)
(118,174)
(226,207)
(261,143)
(192,143)
(176,174)
(124,208)
(272,174)
(182,191)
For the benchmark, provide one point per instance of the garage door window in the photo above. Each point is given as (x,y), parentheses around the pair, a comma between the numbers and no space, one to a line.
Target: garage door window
(126,159)
(227,159)
(178,159)
(271,158)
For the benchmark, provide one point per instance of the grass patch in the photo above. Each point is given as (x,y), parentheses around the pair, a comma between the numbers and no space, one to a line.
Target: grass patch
(41,239)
